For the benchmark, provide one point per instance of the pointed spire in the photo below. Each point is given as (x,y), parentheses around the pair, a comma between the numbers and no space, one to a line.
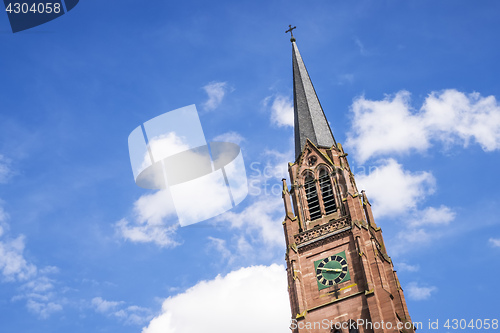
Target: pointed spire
(310,120)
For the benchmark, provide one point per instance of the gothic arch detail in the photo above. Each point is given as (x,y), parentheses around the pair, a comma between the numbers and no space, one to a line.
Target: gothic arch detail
(312,198)
(327,192)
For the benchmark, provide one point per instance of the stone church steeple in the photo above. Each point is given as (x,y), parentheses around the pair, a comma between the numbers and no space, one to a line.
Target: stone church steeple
(340,276)
(309,119)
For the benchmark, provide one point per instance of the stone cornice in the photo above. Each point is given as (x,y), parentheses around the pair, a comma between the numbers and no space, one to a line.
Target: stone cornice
(322,231)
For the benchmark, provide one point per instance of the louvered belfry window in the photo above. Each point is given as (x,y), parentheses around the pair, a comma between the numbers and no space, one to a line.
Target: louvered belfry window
(325,185)
(312,197)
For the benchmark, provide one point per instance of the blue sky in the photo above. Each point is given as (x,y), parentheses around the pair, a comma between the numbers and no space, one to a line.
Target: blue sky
(410,89)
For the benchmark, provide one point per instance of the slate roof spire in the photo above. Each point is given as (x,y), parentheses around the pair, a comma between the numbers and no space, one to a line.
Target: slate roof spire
(309,119)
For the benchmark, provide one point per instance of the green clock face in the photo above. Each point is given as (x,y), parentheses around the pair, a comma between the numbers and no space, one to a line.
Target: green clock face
(332,270)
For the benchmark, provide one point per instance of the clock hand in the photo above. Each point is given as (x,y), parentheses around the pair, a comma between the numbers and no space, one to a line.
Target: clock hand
(331,269)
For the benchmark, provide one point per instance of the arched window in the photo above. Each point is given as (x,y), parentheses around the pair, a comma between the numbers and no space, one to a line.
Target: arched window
(325,185)
(312,197)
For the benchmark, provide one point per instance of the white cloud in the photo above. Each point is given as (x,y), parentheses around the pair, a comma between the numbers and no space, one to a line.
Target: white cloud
(404,267)
(243,246)
(454,117)
(495,242)
(396,192)
(418,293)
(40,294)
(262,217)
(258,232)
(381,127)
(220,246)
(43,310)
(165,145)
(3,220)
(393,189)
(39,284)
(252,299)
(423,227)
(451,117)
(281,111)
(210,190)
(233,137)
(265,177)
(215,92)
(13,265)
(103,306)
(5,171)
(37,288)
(150,223)
(159,148)
(345,78)
(48,270)
(260,221)
(361,47)
(131,315)
(157,216)
(147,233)
(412,236)
(154,208)
(433,216)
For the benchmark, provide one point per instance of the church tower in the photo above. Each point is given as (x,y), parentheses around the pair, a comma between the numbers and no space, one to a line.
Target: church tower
(340,277)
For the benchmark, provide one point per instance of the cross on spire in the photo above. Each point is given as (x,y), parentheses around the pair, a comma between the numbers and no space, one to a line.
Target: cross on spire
(292,39)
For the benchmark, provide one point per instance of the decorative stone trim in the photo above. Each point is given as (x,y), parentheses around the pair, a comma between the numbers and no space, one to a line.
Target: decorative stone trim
(326,239)
(322,230)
